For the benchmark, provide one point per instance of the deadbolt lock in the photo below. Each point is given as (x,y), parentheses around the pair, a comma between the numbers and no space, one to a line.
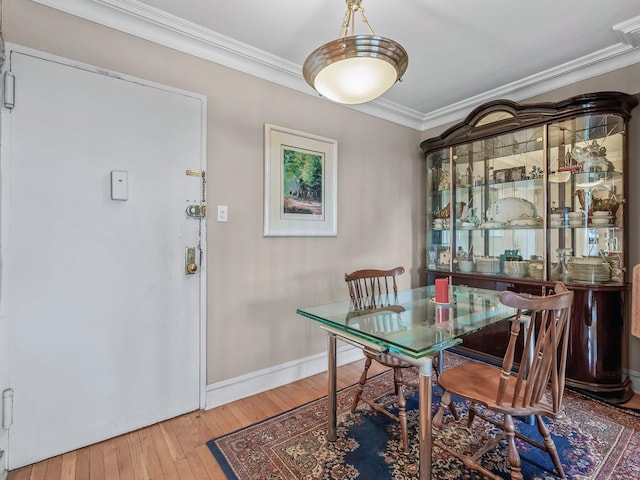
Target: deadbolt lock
(190,265)
(197,211)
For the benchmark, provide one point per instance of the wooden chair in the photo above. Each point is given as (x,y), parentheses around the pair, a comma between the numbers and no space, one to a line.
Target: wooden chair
(373,294)
(536,390)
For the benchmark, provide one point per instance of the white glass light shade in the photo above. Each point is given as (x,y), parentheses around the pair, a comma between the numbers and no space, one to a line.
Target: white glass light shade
(355,69)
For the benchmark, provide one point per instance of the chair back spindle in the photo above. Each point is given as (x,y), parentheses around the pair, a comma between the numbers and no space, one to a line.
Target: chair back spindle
(373,288)
(549,330)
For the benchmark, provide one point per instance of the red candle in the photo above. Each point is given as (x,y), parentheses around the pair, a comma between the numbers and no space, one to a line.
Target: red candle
(442,290)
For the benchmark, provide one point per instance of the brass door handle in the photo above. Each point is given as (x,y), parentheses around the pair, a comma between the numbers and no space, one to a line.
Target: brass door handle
(190,264)
(192,267)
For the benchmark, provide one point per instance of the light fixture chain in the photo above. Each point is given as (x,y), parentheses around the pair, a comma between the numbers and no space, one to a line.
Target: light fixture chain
(365,21)
(348,23)
(344,29)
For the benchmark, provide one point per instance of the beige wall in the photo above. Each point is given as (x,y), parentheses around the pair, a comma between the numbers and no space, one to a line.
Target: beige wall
(256,283)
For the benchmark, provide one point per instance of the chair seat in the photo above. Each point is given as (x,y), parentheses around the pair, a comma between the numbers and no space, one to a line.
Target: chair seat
(480,382)
(388,360)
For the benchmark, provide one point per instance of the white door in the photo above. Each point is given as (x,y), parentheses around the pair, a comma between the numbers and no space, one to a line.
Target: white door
(105,324)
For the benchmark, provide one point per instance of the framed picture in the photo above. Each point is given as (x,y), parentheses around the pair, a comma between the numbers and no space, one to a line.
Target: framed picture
(500,176)
(518,173)
(300,183)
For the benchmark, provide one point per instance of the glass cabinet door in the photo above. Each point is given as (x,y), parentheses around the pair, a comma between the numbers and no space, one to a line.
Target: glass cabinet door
(499,192)
(439,199)
(586,199)
(485,204)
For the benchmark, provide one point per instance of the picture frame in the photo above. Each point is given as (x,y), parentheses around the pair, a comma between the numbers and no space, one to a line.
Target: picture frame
(500,176)
(518,173)
(300,183)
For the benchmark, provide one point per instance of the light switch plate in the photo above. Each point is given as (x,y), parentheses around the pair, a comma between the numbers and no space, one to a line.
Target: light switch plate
(222,213)
(119,185)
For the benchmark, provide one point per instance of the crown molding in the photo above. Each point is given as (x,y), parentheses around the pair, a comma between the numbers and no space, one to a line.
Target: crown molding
(629,31)
(604,61)
(149,23)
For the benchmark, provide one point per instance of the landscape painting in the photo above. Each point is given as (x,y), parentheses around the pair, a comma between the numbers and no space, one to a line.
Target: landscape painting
(300,183)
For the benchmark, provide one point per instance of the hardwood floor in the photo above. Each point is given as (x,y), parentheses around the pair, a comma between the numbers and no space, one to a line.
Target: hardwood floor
(175,449)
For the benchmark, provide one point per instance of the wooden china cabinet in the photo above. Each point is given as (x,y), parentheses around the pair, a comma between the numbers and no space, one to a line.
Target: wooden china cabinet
(520,196)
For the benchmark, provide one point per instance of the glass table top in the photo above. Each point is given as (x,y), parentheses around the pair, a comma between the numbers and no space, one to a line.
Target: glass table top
(411,323)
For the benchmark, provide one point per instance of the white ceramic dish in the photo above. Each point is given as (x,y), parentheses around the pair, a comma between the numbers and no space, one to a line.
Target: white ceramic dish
(576,223)
(491,225)
(516,268)
(588,260)
(555,224)
(523,222)
(511,208)
(576,215)
(600,222)
(536,269)
(487,264)
(600,213)
(465,266)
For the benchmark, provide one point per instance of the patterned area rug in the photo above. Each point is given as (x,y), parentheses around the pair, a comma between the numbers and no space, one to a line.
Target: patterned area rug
(595,441)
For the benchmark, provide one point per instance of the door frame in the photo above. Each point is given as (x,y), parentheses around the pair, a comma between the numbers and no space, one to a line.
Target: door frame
(5,149)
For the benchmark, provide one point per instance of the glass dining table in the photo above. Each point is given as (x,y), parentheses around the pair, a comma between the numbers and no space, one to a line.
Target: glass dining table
(413,327)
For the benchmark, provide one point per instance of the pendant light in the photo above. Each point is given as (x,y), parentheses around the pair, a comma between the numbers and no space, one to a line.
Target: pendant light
(355,68)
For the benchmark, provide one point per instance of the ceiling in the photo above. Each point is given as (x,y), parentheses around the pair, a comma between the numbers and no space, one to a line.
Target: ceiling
(461,52)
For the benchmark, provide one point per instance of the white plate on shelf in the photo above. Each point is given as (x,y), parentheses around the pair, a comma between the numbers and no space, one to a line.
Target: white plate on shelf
(601,213)
(491,225)
(601,221)
(523,222)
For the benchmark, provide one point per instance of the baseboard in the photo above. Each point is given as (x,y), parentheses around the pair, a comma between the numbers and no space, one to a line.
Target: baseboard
(262,380)
(635,380)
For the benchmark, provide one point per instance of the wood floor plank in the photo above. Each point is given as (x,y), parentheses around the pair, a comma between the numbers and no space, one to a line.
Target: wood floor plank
(164,454)
(54,468)
(81,469)
(138,458)
(150,455)
(96,461)
(170,439)
(68,466)
(187,432)
(23,473)
(204,434)
(209,463)
(39,471)
(125,463)
(110,456)
(195,464)
(184,470)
